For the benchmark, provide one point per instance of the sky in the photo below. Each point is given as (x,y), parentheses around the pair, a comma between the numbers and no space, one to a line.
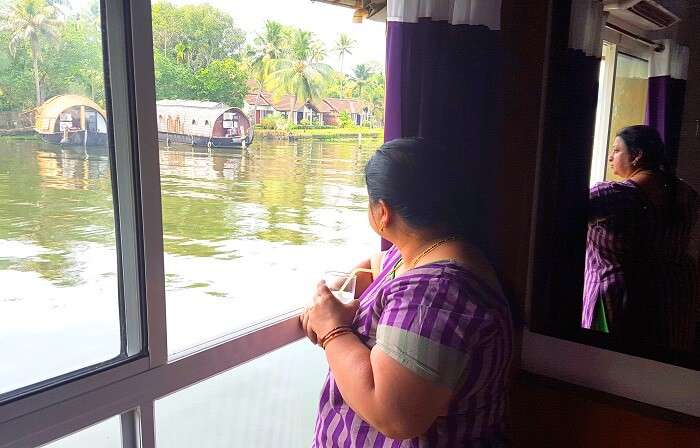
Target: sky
(325,20)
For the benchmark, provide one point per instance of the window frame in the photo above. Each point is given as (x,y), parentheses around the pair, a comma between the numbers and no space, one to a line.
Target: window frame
(130,388)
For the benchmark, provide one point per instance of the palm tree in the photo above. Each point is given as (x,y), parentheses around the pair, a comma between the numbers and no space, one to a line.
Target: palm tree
(272,43)
(343,46)
(361,74)
(30,20)
(301,74)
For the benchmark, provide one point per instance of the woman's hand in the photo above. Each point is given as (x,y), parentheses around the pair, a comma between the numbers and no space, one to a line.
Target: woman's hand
(325,313)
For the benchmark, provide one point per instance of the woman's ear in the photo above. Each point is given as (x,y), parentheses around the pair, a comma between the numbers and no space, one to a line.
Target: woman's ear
(638,158)
(384,213)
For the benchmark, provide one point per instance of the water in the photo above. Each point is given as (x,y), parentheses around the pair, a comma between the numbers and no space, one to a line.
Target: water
(247,233)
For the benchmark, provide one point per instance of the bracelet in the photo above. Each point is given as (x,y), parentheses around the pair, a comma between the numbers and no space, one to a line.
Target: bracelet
(332,332)
(335,335)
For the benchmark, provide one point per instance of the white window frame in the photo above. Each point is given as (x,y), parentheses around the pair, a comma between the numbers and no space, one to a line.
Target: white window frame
(131,388)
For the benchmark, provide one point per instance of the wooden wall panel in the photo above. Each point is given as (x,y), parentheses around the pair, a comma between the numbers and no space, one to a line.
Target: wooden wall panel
(548,413)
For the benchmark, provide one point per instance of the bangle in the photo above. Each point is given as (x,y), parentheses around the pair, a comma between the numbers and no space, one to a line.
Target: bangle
(333,331)
(335,335)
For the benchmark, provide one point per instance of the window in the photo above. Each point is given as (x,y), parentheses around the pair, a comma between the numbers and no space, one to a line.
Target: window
(200,224)
(106,434)
(622,101)
(238,408)
(239,214)
(62,306)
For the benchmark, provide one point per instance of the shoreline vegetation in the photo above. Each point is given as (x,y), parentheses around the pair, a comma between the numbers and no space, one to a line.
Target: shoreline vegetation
(319,134)
(260,134)
(50,48)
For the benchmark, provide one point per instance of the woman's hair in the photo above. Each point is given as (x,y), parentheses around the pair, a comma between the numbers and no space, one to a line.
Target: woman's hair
(646,140)
(420,182)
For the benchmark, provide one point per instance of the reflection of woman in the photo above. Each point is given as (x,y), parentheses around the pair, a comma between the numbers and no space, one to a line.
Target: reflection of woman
(640,280)
(422,355)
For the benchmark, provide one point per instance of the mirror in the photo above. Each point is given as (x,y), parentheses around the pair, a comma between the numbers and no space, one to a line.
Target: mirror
(618,240)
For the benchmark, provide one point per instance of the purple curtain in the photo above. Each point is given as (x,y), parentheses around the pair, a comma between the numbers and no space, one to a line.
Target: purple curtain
(444,84)
(665,112)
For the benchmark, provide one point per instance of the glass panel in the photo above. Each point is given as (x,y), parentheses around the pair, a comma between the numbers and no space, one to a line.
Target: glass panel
(271,401)
(106,434)
(241,213)
(59,307)
(629,103)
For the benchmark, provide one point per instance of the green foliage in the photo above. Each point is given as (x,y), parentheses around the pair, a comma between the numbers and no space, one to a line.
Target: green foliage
(222,81)
(199,53)
(268,122)
(76,61)
(345,120)
(173,80)
(195,35)
(29,23)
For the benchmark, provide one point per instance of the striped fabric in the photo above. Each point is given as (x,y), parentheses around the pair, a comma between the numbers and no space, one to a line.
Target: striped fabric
(640,263)
(445,324)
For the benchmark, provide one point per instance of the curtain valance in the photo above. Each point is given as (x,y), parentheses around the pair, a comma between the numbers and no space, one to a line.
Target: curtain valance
(456,12)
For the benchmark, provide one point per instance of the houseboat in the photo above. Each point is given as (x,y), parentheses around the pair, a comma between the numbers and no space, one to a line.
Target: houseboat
(203,123)
(71,120)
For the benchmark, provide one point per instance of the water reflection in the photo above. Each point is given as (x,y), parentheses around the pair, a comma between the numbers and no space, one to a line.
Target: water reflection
(232,220)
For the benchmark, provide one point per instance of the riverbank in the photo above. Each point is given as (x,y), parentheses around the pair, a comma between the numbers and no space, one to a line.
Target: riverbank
(319,134)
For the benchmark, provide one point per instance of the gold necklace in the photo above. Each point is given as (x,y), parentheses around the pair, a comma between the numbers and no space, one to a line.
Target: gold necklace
(412,263)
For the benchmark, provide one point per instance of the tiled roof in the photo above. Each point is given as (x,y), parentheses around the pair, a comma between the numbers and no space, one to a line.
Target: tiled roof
(284,103)
(352,106)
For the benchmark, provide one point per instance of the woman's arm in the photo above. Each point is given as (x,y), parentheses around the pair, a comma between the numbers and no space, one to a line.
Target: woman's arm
(395,401)
(364,279)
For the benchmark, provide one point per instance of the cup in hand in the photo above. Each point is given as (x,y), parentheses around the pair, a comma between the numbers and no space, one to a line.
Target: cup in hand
(335,281)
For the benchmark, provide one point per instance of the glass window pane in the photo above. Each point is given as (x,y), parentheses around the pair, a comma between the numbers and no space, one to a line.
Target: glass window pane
(59,307)
(268,402)
(106,434)
(250,226)
(629,102)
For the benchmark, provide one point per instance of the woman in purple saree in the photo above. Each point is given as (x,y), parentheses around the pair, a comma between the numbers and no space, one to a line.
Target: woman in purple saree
(641,274)
(421,358)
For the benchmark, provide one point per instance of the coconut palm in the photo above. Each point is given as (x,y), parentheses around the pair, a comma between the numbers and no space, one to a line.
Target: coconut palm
(272,43)
(343,46)
(30,21)
(302,74)
(361,74)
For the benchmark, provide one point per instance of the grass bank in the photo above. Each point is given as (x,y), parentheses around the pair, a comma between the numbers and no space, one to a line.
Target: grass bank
(321,134)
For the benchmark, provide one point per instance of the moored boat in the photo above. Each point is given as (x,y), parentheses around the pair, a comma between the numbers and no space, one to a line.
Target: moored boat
(203,123)
(71,120)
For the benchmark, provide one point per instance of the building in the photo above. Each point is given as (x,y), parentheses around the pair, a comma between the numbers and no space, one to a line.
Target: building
(323,111)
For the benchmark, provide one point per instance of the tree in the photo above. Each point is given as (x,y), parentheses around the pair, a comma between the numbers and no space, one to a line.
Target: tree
(75,58)
(173,80)
(195,34)
(302,74)
(272,42)
(361,74)
(30,21)
(343,46)
(223,81)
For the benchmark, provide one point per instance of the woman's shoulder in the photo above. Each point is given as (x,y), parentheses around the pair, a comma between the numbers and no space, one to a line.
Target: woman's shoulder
(613,187)
(445,285)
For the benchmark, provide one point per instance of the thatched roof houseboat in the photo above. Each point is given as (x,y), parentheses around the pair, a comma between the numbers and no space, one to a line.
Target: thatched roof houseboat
(203,123)
(71,120)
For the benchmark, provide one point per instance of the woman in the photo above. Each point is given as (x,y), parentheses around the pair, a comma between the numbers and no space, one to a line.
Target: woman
(640,279)
(421,359)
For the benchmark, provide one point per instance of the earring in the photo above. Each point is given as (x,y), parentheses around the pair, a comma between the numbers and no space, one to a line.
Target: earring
(381,228)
